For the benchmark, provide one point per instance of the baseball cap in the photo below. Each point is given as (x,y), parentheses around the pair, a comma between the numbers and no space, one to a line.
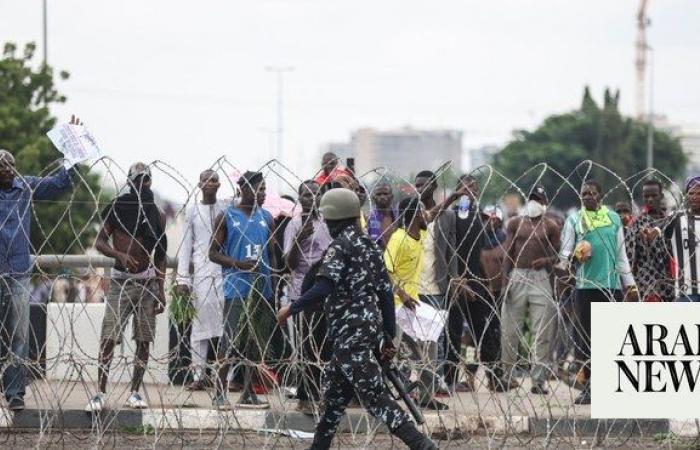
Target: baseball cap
(538,193)
(138,169)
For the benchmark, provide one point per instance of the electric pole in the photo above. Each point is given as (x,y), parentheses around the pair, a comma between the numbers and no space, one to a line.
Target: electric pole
(280,71)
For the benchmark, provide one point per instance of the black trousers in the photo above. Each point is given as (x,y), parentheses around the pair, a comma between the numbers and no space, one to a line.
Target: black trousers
(482,315)
(315,351)
(350,372)
(582,321)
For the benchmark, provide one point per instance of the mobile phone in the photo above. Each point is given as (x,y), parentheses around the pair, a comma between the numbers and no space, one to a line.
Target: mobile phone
(351,164)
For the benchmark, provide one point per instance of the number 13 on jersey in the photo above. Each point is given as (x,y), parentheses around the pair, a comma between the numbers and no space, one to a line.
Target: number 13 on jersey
(253,251)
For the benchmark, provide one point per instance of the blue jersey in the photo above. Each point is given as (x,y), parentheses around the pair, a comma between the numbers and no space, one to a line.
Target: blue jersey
(247,238)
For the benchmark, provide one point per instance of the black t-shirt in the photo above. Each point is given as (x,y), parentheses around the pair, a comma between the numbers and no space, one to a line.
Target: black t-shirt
(470,241)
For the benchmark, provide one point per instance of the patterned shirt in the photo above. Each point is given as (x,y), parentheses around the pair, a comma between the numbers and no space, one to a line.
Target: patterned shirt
(355,266)
(682,232)
(649,261)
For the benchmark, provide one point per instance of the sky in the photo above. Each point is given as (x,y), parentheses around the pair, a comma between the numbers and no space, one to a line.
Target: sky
(186,82)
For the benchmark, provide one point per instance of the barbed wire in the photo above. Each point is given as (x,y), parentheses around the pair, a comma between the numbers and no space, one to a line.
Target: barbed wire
(68,321)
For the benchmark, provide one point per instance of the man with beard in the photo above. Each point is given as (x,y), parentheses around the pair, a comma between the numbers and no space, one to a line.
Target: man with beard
(136,227)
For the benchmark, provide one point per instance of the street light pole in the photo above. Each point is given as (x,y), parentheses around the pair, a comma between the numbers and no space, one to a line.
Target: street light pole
(650,130)
(45,31)
(280,70)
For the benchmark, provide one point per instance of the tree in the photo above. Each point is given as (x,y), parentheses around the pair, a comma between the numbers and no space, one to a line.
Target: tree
(26,95)
(601,135)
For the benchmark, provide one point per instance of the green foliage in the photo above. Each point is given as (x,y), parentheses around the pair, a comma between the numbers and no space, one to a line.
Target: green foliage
(599,134)
(256,326)
(182,310)
(26,95)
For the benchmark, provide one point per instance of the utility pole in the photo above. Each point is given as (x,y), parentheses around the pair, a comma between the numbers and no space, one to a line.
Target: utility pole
(641,47)
(650,130)
(45,31)
(280,71)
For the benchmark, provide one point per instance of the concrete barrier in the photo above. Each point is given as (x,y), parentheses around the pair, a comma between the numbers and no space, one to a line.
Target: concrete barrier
(72,345)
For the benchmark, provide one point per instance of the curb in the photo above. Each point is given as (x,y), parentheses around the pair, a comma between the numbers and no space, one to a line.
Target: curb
(356,422)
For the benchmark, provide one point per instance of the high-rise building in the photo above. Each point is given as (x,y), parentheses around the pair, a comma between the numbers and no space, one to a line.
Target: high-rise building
(403,152)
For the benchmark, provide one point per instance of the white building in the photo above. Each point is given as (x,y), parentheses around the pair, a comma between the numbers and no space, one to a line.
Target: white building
(403,152)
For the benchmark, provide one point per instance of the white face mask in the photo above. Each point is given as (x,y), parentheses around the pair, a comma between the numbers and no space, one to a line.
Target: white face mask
(534,209)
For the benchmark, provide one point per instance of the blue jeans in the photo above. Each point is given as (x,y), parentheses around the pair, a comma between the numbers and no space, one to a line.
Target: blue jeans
(694,298)
(14,333)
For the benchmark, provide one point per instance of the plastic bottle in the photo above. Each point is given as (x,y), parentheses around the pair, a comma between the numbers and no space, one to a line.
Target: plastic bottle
(463,207)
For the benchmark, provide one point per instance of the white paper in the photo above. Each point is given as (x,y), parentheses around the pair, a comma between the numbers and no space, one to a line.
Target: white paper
(288,432)
(75,142)
(424,324)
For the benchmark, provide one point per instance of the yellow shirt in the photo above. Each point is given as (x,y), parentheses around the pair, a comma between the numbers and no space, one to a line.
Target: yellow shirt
(403,257)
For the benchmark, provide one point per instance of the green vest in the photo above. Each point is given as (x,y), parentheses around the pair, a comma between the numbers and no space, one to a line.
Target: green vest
(600,271)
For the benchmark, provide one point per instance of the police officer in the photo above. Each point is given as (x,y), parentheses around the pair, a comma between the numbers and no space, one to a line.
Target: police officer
(358,308)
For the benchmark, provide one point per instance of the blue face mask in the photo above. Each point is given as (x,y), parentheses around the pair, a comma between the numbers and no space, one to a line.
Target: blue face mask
(463,207)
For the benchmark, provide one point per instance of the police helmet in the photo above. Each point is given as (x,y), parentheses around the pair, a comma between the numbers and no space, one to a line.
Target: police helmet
(340,204)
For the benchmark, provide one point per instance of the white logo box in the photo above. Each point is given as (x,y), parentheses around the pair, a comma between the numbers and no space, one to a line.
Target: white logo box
(614,391)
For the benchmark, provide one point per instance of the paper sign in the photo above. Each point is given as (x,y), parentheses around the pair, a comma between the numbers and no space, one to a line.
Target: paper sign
(75,142)
(288,432)
(424,324)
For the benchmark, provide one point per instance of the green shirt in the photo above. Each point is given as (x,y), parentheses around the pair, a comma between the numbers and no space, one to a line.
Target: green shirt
(608,262)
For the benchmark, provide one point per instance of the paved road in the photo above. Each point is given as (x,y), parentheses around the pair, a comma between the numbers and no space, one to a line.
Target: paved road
(131,440)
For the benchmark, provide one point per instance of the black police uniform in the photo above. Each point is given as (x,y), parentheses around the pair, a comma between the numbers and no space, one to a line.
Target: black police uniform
(354,267)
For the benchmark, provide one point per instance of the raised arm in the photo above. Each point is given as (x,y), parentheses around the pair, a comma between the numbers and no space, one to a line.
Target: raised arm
(51,186)
(292,240)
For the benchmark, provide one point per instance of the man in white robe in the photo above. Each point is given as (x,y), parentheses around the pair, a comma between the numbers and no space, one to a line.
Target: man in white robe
(204,285)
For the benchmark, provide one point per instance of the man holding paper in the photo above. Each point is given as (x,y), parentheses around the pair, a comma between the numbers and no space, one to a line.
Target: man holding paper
(403,257)
(16,195)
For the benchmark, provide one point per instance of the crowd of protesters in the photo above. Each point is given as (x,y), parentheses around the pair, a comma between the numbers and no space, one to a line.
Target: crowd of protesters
(510,287)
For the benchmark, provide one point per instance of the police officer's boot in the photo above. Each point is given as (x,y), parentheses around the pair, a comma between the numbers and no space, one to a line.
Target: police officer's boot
(415,440)
(321,443)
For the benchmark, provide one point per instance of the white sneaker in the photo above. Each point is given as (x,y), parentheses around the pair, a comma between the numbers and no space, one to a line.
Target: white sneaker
(136,402)
(96,403)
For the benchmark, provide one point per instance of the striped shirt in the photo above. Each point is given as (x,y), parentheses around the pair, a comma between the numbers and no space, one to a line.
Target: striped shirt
(682,232)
